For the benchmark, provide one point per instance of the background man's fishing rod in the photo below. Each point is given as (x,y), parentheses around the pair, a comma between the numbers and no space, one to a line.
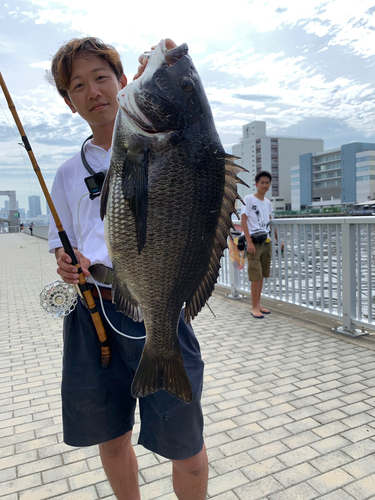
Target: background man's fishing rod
(83,286)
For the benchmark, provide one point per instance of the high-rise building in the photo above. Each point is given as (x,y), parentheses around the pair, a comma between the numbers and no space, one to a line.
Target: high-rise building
(274,154)
(34,206)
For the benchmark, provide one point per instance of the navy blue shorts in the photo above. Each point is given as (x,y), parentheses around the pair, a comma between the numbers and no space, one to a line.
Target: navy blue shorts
(97,404)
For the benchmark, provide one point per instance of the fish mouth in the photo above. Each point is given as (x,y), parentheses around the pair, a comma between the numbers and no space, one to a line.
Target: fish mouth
(127,96)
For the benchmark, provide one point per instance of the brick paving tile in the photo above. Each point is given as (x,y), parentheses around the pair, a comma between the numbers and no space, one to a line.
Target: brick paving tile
(103,489)
(20,484)
(156,472)
(83,494)
(156,489)
(290,414)
(299,492)
(258,489)
(359,433)
(228,495)
(331,429)
(362,489)
(361,468)
(356,408)
(8,474)
(294,475)
(267,451)
(233,462)
(45,491)
(360,449)
(330,401)
(272,435)
(330,481)
(298,456)
(39,465)
(263,468)
(337,495)
(226,482)
(301,425)
(357,420)
(331,461)
(299,440)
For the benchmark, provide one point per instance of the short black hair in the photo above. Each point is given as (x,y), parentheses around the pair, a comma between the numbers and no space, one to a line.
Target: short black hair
(263,173)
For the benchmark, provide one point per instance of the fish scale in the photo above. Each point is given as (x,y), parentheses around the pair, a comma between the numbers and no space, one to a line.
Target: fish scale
(167,202)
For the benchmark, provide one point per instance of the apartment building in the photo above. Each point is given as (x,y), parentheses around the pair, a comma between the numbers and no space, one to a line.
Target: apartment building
(340,176)
(275,154)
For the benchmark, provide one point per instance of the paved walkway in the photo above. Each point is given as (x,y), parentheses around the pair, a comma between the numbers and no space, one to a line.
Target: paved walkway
(289,412)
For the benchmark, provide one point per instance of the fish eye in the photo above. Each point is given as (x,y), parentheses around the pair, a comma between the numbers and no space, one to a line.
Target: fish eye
(187,84)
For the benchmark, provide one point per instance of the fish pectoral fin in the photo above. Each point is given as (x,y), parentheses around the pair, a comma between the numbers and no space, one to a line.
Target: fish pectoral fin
(135,188)
(166,372)
(124,302)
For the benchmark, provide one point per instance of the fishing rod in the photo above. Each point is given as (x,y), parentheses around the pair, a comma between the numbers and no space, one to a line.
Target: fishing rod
(83,286)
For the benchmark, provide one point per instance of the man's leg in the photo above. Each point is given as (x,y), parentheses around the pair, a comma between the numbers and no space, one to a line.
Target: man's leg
(121,467)
(266,267)
(262,309)
(256,290)
(190,477)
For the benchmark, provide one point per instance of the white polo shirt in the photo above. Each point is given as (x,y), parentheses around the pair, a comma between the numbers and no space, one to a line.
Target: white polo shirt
(79,215)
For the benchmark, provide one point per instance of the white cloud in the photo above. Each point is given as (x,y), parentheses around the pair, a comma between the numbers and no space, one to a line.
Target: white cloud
(41,64)
(310,60)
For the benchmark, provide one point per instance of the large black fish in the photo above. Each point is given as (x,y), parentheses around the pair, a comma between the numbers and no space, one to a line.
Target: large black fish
(167,201)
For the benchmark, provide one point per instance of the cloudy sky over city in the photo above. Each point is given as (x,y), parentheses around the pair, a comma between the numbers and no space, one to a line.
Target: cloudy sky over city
(307,69)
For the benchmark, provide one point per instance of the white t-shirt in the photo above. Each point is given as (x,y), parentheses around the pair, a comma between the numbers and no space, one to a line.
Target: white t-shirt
(258,214)
(79,215)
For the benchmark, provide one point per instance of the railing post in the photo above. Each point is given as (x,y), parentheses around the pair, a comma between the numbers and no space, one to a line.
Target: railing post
(349,284)
(234,276)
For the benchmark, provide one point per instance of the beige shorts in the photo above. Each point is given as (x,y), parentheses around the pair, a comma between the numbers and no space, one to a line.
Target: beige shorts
(259,264)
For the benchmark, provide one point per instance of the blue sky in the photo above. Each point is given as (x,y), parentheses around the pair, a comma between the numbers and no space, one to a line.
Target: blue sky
(307,70)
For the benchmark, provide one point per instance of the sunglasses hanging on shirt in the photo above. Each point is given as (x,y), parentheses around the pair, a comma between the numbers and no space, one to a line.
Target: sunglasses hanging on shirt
(95,181)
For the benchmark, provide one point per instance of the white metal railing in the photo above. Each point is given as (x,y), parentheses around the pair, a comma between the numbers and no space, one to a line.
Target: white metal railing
(327,266)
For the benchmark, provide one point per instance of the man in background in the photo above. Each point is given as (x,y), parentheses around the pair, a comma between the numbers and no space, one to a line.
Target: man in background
(255,223)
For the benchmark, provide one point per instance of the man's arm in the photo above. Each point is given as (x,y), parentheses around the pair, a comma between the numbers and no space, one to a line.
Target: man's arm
(245,229)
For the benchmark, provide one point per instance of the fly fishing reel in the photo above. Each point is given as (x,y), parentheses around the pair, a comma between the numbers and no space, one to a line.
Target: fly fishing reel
(58,299)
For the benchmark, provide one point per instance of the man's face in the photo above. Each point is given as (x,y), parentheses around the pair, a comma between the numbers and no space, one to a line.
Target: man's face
(263,184)
(93,89)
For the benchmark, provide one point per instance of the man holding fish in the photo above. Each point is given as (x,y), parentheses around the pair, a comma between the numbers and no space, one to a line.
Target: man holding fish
(98,406)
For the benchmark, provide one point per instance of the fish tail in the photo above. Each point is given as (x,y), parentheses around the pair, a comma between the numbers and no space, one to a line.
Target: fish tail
(168,373)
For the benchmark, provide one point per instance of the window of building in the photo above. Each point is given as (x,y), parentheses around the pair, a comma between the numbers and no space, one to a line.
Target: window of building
(365,158)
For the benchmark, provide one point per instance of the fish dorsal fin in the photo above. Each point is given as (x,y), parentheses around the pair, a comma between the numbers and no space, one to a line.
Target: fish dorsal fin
(135,188)
(230,195)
